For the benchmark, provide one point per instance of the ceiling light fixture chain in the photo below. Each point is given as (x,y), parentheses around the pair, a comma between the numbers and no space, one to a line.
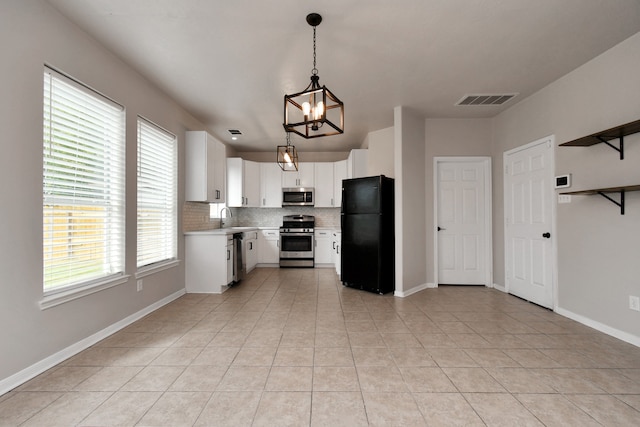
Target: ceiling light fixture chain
(314,70)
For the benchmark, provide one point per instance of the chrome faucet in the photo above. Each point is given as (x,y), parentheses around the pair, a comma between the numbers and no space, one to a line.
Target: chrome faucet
(221,218)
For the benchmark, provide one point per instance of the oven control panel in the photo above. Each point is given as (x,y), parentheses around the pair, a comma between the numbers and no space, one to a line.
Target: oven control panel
(296,230)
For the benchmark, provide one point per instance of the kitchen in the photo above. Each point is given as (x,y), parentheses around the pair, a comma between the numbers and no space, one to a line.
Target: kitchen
(260,198)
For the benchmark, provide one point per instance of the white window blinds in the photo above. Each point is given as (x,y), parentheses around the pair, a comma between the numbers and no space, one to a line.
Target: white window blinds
(157,195)
(83,185)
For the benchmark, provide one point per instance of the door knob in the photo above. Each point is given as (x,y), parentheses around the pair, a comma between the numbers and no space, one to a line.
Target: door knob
(546,235)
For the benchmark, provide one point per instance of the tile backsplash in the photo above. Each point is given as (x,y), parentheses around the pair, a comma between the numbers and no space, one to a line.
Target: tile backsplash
(195,216)
(272,217)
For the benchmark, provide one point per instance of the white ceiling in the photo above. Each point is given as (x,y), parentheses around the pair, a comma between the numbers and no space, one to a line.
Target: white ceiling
(231,62)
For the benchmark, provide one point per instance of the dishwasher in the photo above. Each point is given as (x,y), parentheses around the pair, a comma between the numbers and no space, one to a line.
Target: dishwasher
(239,265)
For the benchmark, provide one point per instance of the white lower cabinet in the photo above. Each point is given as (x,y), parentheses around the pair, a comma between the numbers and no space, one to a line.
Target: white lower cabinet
(269,246)
(336,242)
(208,262)
(250,243)
(229,259)
(323,251)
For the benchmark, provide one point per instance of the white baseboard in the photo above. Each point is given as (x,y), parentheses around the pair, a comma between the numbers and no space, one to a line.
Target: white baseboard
(30,372)
(500,288)
(403,294)
(621,335)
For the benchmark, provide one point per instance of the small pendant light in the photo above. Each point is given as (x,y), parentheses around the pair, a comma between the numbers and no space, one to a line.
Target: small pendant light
(287,156)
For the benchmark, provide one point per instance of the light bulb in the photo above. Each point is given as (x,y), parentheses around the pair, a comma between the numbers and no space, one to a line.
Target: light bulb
(287,158)
(319,110)
(306,109)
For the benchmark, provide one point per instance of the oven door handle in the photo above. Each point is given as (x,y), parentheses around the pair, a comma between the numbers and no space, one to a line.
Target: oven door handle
(295,234)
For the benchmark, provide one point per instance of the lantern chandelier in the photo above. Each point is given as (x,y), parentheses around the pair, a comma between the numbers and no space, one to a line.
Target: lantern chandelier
(287,156)
(315,111)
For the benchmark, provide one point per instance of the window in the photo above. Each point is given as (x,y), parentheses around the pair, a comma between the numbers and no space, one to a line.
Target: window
(157,195)
(83,185)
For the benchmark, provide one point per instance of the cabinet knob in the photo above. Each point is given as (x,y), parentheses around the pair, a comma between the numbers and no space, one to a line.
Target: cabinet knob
(546,235)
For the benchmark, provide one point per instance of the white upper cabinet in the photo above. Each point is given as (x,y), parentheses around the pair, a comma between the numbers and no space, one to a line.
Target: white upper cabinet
(339,173)
(357,164)
(304,177)
(270,185)
(243,178)
(251,184)
(205,168)
(325,185)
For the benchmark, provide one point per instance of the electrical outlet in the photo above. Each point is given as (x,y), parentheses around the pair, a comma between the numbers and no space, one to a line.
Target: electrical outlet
(139,285)
(634,303)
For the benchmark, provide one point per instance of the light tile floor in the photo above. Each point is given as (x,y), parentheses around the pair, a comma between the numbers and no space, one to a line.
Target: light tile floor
(292,347)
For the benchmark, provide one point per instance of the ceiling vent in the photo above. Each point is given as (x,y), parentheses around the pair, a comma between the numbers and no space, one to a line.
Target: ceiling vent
(486,99)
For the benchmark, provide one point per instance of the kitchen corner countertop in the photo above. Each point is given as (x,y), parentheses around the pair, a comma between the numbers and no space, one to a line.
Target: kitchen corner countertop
(221,231)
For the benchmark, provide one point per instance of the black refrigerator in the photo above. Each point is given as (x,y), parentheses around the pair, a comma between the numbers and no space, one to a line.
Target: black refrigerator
(368,236)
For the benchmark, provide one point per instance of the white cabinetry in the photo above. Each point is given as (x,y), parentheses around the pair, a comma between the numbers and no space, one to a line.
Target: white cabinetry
(208,262)
(243,178)
(268,246)
(337,241)
(205,174)
(251,184)
(270,185)
(229,259)
(324,185)
(357,164)
(304,177)
(339,173)
(323,247)
(250,244)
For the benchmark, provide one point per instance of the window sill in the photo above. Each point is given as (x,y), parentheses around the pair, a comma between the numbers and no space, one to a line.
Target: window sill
(149,270)
(62,297)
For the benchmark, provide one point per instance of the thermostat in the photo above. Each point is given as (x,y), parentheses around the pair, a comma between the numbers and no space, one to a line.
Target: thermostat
(563,181)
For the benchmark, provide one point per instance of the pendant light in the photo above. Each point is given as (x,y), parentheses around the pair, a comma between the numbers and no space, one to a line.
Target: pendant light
(287,156)
(315,111)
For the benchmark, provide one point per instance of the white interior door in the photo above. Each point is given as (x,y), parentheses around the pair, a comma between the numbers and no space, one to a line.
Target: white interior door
(529,255)
(463,221)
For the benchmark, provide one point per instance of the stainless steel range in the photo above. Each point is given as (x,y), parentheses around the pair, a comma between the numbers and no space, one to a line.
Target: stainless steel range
(297,241)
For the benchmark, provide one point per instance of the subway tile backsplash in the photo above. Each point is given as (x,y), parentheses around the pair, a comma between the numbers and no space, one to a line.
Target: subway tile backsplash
(195,216)
(272,217)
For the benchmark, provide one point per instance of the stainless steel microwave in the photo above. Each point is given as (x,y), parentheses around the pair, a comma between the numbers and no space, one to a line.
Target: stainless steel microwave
(297,196)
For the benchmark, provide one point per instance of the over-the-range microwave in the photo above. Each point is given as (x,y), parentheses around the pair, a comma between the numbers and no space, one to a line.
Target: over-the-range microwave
(297,196)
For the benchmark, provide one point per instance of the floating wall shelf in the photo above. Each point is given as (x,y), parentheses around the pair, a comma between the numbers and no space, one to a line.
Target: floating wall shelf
(604,192)
(618,132)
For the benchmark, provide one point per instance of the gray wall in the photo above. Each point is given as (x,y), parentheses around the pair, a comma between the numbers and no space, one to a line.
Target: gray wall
(32,33)
(409,171)
(380,159)
(598,249)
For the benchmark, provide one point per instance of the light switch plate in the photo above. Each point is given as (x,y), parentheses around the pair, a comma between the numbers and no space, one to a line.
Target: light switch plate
(564,198)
